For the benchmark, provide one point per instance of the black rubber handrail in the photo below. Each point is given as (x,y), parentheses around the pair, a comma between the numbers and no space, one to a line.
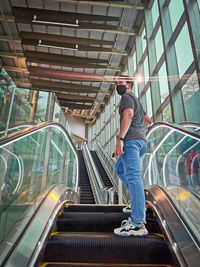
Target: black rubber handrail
(173,126)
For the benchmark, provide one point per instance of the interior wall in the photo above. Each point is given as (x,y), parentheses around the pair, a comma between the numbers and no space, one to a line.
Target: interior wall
(77,125)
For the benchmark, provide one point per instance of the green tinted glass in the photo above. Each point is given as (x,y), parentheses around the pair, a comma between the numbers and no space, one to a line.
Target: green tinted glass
(173,162)
(175,16)
(29,167)
(167,113)
(155,12)
(159,44)
(163,82)
(149,103)
(183,50)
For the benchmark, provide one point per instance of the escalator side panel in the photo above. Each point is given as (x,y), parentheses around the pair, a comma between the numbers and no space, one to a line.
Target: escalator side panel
(101,170)
(187,251)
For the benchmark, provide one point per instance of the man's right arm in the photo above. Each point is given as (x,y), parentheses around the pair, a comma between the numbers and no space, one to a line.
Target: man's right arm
(147,121)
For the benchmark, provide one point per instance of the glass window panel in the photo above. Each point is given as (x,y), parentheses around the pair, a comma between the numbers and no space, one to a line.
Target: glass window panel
(134,62)
(178,6)
(159,44)
(190,87)
(183,50)
(21,108)
(149,103)
(167,113)
(144,43)
(6,90)
(198,1)
(130,66)
(191,96)
(141,83)
(146,70)
(164,89)
(155,12)
(139,48)
(42,105)
(135,89)
(56,113)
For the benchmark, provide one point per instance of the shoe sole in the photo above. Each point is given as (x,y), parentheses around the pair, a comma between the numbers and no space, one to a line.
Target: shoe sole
(131,233)
(127,211)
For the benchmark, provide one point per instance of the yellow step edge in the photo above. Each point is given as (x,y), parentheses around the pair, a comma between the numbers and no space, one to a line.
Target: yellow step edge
(96,233)
(105,264)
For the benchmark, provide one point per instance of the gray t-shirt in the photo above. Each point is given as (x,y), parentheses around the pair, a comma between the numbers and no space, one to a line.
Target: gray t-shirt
(136,130)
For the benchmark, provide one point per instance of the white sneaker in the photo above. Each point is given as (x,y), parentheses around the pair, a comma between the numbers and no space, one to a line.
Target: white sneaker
(128,229)
(127,209)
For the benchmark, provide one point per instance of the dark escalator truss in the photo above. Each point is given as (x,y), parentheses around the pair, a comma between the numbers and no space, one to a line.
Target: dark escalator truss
(86,195)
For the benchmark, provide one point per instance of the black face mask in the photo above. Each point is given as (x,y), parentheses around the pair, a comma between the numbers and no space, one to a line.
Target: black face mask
(121,89)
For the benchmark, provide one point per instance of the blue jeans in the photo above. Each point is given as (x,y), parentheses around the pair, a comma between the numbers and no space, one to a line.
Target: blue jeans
(127,169)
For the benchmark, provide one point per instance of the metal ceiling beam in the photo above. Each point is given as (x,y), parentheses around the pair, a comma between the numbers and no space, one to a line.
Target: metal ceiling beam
(64,87)
(71,65)
(121,4)
(77,98)
(107,29)
(68,75)
(16,69)
(58,87)
(92,27)
(63,46)
(59,16)
(73,101)
(7,38)
(12,55)
(64,58)
(58,60)
(8,18)
(62,39)
(18,81)
(74,47)
(74,106)
(59,19)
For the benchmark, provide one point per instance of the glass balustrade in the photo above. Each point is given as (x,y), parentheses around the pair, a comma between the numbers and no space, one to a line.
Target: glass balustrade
(99,189)
(30,165)
(173,163)
(109,165)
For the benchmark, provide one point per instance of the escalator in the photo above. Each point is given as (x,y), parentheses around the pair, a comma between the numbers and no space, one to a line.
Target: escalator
(55,232)
(86,195)
(84,237)
(101,169)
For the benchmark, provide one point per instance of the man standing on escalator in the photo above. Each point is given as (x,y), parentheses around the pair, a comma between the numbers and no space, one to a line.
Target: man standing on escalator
(131,145)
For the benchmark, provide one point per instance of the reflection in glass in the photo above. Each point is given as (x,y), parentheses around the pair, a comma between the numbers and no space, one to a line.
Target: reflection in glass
(167,113)
(29,167)
(149,103)
(163,82)
(191,96)
(172,161)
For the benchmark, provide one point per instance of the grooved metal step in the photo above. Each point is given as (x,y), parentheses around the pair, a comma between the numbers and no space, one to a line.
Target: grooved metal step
(107,248)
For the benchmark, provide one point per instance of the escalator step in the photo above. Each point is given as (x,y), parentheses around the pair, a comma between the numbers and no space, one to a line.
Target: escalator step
(69,264)
(97,222)
(107,248)
(93,208)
